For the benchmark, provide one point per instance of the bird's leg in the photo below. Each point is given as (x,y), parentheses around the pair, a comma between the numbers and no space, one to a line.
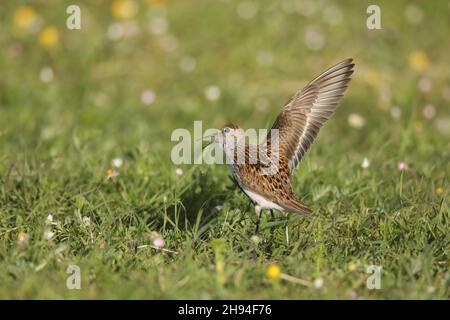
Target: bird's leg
(286,231)
(272,237)
(258,217)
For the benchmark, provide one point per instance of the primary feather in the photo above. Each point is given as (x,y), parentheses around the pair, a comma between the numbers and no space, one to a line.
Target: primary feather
(302,117)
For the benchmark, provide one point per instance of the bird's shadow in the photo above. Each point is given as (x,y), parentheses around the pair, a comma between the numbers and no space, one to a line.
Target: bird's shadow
(198,205)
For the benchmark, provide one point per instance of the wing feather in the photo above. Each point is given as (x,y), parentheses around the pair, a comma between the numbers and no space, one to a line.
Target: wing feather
(300,121)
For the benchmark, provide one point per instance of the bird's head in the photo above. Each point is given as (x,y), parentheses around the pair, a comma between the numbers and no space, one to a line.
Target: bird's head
(231,130)
(229,134)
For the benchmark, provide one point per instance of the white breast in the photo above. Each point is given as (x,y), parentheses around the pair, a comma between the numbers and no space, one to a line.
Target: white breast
(259,200)
(262,202)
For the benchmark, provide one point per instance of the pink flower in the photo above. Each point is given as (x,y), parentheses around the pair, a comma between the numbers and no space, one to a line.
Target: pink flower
(148,97)
(15,49)
(429,111)
(401,166)
(158,242)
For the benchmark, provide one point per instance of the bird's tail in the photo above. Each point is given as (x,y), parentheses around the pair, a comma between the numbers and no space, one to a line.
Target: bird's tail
(296,206)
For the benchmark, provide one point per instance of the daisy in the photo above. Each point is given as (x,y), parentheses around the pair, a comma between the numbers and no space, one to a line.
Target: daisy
(318,283)
(365,163)
(46,74)
(48,235)
(86,221)
(356,121)
(212,93)
(117,162)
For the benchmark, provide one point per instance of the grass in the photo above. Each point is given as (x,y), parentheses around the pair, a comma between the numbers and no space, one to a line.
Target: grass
(57,140)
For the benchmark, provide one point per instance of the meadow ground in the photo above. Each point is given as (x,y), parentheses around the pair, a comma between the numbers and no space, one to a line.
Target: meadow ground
(72,101)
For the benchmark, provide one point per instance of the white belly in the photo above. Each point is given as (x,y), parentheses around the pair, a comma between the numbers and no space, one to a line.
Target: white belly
(259,200)
(262,202)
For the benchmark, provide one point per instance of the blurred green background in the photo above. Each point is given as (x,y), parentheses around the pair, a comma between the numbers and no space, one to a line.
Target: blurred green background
(71,101)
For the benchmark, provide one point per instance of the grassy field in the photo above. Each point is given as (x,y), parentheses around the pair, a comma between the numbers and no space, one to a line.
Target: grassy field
(86,176)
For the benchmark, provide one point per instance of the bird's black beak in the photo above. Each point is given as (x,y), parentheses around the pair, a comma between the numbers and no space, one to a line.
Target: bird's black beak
(210,136)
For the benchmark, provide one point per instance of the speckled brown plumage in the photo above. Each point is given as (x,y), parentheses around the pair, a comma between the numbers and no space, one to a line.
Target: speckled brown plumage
(275,187)
(297,125)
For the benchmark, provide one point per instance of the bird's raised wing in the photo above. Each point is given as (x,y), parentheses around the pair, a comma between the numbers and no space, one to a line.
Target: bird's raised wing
(299,122)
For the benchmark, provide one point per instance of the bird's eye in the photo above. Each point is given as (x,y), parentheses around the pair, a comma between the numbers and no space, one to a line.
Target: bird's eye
(226,130)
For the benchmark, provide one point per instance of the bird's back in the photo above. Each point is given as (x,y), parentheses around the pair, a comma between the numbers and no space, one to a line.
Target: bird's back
(255,178)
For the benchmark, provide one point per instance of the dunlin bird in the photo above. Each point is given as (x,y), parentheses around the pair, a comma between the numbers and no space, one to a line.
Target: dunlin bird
(295,128)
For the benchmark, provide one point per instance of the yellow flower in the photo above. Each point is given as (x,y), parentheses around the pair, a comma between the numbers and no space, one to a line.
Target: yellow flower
(124,9)
(418,60)
(48,37)
(25,17)
(372,77)
(255,239)
(351,266)
(383,104)
(22,238)
(418,126)
(439,190)
(273,272)
(111,174)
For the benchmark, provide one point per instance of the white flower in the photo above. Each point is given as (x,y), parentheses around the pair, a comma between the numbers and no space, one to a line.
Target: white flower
(318,283)
(424,84)
(179,171)
(130,29)
(117,162)
(314,38)
(159,25)
(46,74)
(443,125)
(86,221)
(115,31)
(187,64)
(356,121)
(396,112)
(49,220)
(428,111)
(414,14)
(212,93)
(332,15)
(48,235)
(365,163)
(148,97)
(168,43)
